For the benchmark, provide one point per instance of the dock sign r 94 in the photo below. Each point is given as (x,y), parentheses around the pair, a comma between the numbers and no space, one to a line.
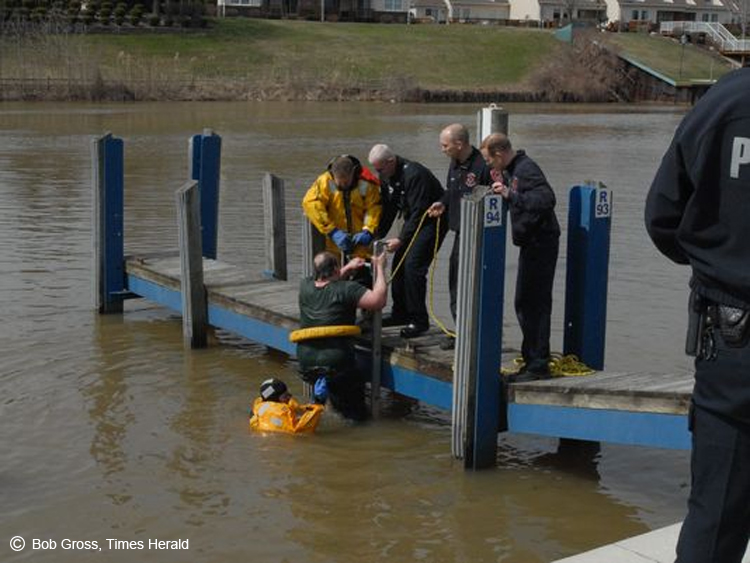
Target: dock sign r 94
(493,211)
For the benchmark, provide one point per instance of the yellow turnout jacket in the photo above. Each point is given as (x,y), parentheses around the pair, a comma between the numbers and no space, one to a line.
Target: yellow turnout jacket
(291,417)
(325,206)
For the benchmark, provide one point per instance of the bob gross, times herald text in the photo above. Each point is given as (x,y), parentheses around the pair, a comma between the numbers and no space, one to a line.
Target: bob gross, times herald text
(115,544)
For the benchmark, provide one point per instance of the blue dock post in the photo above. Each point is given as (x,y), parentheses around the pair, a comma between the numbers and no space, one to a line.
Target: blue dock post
(589,225)
(476,380)
(477,403)
(109,249)
(205,163)
(489,336)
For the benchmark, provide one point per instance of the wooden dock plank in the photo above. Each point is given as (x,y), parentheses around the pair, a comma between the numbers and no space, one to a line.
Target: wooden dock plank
(275,302)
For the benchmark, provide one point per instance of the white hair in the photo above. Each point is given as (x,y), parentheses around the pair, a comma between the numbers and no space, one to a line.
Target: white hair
(379,153)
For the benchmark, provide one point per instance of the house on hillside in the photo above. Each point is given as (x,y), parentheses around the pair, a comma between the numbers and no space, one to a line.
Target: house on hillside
(335,10)
(562,12)
(558,12)
(656,11)
(463,11)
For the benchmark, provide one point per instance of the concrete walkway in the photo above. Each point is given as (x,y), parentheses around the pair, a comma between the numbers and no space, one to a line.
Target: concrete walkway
(653,547)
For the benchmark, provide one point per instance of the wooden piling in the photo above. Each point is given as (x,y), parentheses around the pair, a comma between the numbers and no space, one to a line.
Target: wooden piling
(274,219)
(312,243)
(193,293)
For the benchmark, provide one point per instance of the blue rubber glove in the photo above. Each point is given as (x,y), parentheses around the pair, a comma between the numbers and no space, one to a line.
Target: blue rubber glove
(320,391)
(341,239)
(363,237)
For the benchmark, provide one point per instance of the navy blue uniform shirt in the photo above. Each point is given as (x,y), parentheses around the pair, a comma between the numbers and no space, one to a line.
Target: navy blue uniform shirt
(411,190)
(531,201)
(463,177)
(698,207)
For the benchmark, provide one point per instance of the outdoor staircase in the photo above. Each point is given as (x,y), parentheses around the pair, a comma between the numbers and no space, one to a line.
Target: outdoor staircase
(720,36)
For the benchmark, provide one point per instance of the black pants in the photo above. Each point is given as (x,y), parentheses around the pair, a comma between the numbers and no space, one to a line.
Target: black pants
(533,303)
(453,275)
(409,286)
(717,525)
(347,394)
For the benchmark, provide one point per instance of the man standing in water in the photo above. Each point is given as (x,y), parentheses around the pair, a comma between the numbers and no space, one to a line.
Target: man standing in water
(467,171)
(536,232)
(329,299)
(697,214)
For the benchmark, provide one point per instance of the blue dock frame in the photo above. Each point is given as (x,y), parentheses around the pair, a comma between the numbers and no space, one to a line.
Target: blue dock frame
(616,426)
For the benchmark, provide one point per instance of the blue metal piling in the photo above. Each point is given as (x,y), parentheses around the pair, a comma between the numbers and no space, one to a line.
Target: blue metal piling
(487,392)
(108,187)
(205,164)
(589,225)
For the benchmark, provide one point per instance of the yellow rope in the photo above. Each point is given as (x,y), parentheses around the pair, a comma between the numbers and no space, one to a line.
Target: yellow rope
(408,248)
(433,316)
(559,366)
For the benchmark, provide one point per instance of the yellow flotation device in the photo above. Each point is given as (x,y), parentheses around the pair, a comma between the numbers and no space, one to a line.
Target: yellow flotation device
(323,332)
(291,417)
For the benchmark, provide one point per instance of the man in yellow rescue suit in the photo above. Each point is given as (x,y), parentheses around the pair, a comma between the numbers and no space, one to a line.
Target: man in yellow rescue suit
(277,411)
(344,205)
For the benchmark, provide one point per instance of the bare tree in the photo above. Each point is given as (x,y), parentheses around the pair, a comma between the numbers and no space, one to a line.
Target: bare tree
(569,7)
(740,9)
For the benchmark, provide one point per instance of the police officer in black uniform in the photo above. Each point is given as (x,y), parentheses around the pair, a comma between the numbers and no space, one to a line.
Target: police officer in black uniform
(407,189)
(531,200)
(698,213)
(467,171)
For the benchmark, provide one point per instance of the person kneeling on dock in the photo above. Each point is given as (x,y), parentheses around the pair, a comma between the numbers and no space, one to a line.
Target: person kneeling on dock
(277,411)
(328,305)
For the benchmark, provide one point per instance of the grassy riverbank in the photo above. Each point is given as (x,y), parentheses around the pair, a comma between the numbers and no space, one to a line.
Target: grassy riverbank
(241,58)
(668,57)
(286,59)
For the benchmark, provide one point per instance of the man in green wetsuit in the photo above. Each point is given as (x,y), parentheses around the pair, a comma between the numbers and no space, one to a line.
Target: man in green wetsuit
(330,299)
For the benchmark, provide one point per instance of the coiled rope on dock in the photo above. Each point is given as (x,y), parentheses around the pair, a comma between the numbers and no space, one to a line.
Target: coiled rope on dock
(559,366)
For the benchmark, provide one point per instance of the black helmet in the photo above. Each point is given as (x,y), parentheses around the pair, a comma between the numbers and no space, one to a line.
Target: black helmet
(272,389)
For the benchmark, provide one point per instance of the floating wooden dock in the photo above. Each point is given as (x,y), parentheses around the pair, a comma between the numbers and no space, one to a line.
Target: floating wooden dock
(629,408)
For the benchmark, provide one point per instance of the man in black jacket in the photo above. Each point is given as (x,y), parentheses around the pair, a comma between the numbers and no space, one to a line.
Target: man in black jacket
(467,171)
(531,201)
(697,214)
(407,189)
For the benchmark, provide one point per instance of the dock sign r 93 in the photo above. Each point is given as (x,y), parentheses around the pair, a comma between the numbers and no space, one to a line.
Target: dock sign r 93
(603,206)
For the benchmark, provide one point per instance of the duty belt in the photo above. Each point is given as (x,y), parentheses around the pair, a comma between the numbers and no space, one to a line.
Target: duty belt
(707,318)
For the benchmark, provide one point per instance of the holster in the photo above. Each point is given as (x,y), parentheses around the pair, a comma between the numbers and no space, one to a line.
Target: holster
(733,325)
(696,323)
